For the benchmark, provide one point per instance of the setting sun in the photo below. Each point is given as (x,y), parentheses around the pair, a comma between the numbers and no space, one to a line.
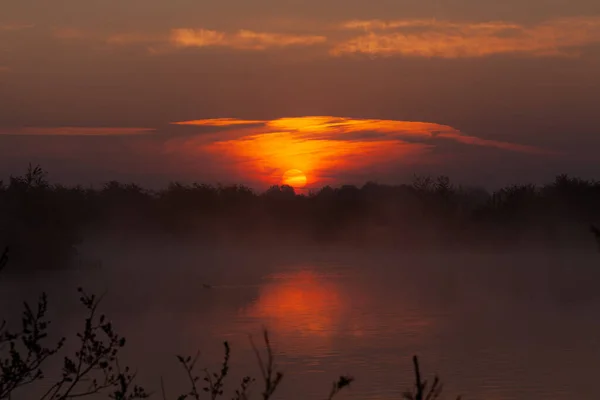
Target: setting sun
(283,150)
(294,178)
(328,148)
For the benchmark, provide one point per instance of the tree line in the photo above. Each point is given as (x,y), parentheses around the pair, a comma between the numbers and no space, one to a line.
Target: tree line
(42,221)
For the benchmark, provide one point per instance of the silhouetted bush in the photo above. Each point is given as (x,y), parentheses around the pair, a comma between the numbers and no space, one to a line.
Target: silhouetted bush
(93,368)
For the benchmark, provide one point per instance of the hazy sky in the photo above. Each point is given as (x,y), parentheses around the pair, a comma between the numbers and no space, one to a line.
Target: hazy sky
(487,92)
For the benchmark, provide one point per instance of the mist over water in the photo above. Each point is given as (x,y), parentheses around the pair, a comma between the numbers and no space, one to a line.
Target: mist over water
(494,291)
(493,325)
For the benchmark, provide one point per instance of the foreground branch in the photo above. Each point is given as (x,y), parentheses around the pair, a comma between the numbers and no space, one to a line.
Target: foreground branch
(421,392)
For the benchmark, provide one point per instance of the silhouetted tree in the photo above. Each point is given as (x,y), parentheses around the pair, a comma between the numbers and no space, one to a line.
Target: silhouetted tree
(44,224)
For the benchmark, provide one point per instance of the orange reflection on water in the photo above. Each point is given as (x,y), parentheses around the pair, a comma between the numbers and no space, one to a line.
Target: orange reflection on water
(299,302)
(313,312)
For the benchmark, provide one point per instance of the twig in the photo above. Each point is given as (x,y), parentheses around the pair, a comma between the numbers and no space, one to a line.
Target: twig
(420,386)
(241,393)
(188,364)
(4,259)
(216,387)
(271,382)
(341,383)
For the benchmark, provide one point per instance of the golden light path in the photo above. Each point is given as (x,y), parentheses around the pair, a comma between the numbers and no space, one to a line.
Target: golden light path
(301,302)
(304,311)
(313,149)
(308,309)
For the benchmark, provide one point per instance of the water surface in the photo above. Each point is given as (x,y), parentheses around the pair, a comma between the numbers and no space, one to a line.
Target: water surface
(493,326)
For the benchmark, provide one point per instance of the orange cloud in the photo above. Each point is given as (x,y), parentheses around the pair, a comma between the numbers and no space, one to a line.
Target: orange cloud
(434,38)
(320,146)
(219,122)
(327,125)
(241,40)
(494,143)
(75,131)
(15,26)
(271,155)
(405,37)
(431,23)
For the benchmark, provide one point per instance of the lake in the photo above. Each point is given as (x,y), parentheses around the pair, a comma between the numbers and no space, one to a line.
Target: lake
(494,326)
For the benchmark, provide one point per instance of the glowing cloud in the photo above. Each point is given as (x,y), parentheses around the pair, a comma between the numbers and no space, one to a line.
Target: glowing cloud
(15,26)
(433,38)
(75,131)
(241,40)
(219,122)
(494,143)
(404,37)
(321,146)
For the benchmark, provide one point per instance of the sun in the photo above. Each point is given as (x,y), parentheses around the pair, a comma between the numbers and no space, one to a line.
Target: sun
(294,178)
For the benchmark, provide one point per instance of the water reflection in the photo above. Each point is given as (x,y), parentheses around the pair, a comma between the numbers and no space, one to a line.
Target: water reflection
(300,302)
(303,302)
(317,312)
(493,326)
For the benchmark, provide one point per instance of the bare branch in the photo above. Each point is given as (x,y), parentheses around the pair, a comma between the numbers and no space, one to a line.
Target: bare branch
(271,379)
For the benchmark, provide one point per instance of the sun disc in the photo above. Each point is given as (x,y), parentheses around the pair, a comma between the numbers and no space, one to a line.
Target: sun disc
(294,178)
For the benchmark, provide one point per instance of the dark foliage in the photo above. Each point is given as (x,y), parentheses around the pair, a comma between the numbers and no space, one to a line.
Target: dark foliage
(54,220)
(94,368)
(215,381)
(24,351)
(4,259)
(44,223)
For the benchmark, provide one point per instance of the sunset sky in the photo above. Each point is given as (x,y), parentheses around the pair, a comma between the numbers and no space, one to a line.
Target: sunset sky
(345,91)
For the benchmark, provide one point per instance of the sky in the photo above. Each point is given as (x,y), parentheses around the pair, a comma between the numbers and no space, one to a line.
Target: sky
(344,91)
